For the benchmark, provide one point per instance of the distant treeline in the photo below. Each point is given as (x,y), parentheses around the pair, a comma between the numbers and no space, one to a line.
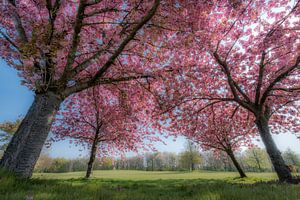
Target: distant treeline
(252,160)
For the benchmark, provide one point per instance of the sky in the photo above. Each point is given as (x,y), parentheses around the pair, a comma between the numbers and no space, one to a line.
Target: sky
(16,99)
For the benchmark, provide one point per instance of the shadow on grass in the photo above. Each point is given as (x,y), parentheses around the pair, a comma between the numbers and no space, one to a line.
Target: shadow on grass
(106,189)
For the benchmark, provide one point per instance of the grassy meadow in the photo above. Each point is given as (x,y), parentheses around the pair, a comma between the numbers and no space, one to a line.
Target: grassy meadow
(135,175)
(138,185)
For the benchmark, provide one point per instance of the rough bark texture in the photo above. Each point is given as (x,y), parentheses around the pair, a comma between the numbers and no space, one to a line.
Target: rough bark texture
(26,145)
(92,156)
(236,163)
(281,169)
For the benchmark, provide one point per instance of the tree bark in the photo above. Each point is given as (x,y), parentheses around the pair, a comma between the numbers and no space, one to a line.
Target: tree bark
(279,165)
(236,163)
(25,147)
(92,156)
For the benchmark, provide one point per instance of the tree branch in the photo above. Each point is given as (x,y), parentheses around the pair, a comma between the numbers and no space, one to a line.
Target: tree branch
(103,10)
(52,12)
(18,22)
(279,78)
(6,37)
(260,77)
(87,84)
(122,46)
(232,84)
(287,89)
(75,39)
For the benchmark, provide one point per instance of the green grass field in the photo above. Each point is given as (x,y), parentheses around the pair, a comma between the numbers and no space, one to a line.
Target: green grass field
(138,185)
(149,175)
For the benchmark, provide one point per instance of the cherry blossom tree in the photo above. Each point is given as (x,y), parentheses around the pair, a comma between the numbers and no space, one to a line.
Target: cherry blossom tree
(62,47)
(249,57)
(102,119)
(225,131)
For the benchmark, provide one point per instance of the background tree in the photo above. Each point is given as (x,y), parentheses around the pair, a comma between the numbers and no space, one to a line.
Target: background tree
(161,161)
(212,161)
(104,120)
(106,163)
(190,158)
(135,163)
(291,158)
(170,161)
(257,159)
(43,164)
(225,130)
(165,161)
(152,160)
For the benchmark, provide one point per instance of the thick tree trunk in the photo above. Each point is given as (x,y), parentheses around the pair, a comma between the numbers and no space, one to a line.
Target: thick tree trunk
(26,144)
(92,157)
(281,169)
(236,163)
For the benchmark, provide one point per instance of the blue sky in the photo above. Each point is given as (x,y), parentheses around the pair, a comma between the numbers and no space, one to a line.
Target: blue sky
(16,99)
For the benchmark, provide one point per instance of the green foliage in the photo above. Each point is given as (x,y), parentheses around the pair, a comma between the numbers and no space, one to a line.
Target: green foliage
(47,164)
(190,158)
(10,127)
(256,159)
(59,165)
(291,157)
(7,130)
(222,187)
(104,163)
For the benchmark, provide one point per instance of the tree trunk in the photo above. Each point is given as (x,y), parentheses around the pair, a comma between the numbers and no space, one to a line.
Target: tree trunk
(92,156)
(26,144)
(257,162)
(281,169)
(152,164)
(236,163)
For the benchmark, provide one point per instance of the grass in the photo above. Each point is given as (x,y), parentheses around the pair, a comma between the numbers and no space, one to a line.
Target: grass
(149,175)
(139,185)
